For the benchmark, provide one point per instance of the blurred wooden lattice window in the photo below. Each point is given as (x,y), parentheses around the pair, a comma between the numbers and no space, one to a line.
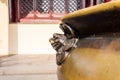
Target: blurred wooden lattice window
(37,10)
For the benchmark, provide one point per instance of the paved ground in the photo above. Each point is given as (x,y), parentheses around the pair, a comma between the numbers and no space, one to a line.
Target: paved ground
(28,67)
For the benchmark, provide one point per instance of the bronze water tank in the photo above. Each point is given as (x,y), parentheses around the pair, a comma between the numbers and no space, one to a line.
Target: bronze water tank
(89,49)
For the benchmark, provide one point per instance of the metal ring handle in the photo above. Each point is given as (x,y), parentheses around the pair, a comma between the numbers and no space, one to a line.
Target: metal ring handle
(68,31)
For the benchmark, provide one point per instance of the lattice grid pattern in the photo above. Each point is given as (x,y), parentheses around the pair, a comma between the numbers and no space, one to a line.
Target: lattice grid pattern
(25,7)
(59,6)
(56,6)
(72,5)
(80,4)
(43,6)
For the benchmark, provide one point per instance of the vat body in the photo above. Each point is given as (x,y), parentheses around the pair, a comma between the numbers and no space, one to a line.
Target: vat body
(92,62)
(89,49)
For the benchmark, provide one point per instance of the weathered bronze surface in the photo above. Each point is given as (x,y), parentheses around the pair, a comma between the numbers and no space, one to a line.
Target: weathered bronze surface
(89,49)
(95,59)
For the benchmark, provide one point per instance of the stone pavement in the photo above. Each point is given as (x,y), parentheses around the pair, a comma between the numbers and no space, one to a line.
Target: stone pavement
(28,67)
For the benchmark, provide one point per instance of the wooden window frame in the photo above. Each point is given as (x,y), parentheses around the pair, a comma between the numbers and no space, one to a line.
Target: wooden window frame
(14,12)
